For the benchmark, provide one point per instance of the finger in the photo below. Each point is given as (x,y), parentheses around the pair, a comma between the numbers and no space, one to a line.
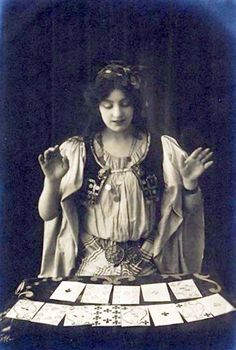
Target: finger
(56,148)
(47,155)
(51,149)
(48,151)
(51,153)
(196,153)
(41,159)
(57,153)
(207,156)
(203,153)
(208,164)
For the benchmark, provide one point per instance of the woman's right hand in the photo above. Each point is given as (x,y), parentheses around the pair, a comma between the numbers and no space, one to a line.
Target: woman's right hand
(53,164)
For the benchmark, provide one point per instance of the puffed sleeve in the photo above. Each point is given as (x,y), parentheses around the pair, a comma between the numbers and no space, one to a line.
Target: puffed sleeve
(74,150)
(60,242)
(179,243)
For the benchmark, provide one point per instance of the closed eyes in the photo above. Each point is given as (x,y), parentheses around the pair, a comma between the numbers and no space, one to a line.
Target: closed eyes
(109,104)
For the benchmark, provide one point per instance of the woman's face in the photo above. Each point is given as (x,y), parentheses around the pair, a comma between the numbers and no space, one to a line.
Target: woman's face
(116,111)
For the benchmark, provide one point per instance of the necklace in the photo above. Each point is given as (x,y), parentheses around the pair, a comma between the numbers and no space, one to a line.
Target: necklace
(131,149)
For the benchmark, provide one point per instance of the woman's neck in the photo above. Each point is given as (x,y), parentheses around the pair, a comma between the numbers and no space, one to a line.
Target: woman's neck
(119,144)
(118,137)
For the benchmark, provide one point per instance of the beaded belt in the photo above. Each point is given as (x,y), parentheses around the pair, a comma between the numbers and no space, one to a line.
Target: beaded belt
(116,252)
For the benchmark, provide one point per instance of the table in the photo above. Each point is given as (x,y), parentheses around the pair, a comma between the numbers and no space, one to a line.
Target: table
(17,334)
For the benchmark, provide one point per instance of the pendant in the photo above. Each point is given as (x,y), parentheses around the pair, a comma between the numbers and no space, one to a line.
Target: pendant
(108,187)
(114,254)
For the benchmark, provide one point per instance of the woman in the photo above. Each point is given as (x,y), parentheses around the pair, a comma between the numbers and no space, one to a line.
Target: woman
(122,201)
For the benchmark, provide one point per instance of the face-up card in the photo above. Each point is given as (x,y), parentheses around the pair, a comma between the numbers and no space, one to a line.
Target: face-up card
(50,314)
(126,295)
(185,289)
(194,310)
(96,294)
(79,315)
(68,291)
(165,314)
(135,316)
(107,315)
(24,309)
(155,292)
(217,305)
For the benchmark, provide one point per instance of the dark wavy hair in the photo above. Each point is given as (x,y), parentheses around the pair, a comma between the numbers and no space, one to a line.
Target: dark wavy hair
(98,91)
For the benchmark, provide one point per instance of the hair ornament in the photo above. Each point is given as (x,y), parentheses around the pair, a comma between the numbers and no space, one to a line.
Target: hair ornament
(129,75)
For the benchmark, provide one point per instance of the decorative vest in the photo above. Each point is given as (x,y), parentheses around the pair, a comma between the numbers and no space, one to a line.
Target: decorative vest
(148,172)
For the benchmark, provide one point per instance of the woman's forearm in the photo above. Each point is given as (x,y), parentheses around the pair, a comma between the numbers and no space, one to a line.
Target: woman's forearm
(192,197)
(190,184)
(49,201)
(192,200)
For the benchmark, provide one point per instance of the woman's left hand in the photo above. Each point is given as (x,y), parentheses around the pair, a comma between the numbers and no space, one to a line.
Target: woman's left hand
(196,164)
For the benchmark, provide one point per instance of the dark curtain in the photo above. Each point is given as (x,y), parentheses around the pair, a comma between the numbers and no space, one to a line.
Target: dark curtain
(51,49)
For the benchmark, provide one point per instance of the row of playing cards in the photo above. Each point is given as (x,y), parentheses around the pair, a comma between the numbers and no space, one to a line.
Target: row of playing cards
(100,293)
(117,315)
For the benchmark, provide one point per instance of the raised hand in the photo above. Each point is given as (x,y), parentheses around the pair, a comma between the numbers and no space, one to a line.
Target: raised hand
(196,164)
(53,165)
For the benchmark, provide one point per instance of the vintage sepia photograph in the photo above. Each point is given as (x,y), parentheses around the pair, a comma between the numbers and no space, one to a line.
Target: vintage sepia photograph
(117,174)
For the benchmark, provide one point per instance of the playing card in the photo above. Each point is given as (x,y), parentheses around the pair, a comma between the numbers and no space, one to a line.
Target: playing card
(135,316)
(217,305)
(107,315)
(126,295)
(68,291)
(96,294)
(50,314)
(155,292)
(24,309)
(165,314)
(79,315)
(194,310)
(185,289)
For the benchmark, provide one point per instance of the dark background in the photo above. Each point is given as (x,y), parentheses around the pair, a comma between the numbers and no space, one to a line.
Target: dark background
(51,49)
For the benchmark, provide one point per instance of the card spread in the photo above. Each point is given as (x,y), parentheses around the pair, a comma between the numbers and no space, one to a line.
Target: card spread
(135,316)
(50,314)
(126,295)
(165,314)
(185,289)
(96,294)
(24,309)
(79,315)
(106,315)
(68,291)
(155,292)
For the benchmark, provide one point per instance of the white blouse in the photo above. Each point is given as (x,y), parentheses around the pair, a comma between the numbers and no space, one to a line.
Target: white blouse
(122,213)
